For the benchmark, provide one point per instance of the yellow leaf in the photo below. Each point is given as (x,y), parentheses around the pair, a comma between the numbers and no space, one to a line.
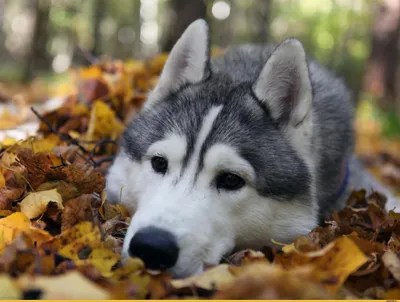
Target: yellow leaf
(69,236)
(5,213)
(103,123)
(8,158)
(8,141)
(213,278)
(266,281)
(69,286)
(393,294)
(80,109)
(35,204)
(8,289)
(11,226)
(2,180)
(131,270)
(102,259)
(81,238)
(91,72)
(338,263)
(331,265)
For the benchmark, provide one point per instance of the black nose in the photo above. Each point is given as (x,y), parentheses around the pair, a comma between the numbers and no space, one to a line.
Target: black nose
(156,247)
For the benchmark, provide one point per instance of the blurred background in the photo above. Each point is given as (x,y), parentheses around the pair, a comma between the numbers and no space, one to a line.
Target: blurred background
(359,39)
(41,41)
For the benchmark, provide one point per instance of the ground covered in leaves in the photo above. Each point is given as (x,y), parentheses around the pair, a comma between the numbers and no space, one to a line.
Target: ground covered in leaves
(58,232)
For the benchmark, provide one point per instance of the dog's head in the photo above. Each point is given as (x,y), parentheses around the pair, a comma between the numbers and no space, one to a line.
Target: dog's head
(212,163)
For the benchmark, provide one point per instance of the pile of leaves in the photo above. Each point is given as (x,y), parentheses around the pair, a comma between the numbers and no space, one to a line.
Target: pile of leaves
(58,231)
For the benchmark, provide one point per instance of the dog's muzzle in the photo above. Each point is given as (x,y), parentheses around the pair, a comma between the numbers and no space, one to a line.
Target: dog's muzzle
(157,248)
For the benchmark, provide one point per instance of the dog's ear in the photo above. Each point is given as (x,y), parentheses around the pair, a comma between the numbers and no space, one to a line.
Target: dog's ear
(187,63)
(284,84)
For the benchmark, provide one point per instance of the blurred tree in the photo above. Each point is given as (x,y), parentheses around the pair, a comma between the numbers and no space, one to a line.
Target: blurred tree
(98,16)
(224,32)
(261,14)
(137,45)
(2,9)
(380,75)
(37,58)
(182,13)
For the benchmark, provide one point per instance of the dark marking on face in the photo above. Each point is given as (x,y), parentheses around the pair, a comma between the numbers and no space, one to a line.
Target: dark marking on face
(242,124)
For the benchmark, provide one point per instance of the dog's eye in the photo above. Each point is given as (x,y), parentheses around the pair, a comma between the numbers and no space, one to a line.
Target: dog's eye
(229,181)
(159,164)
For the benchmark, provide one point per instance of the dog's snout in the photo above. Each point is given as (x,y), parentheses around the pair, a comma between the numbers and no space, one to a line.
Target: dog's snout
(157,248)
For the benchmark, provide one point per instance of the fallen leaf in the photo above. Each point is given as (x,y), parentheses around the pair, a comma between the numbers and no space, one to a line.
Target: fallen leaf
(77,247)
(392,262)
(8,289)
(331,265)
(66,190)
(213,278)
(103,123)
(393,294)
(267,281)
(13,225)
(35,204)
(77,210)
(8,195)
(69,286)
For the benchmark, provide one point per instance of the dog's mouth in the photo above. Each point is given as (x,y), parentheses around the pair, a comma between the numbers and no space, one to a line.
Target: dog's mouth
(205,266)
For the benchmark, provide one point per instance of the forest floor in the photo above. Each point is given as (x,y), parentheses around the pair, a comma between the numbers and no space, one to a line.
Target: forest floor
(57,226)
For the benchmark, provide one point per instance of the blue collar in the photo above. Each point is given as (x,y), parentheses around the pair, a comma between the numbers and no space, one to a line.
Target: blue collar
(345,181)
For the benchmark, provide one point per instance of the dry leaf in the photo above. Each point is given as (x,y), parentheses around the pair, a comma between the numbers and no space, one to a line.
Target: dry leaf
(266,281)
(8,289)
(13,225)
(392,262)
(35,204)
(215,277)
(77,210)
(69,286)
(331,265)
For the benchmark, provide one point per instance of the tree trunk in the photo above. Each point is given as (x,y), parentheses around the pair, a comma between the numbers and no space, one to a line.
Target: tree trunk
(183,12)
(380,76)
(261,19)
(38,58)
(2,10)
(137,44)
(98,15)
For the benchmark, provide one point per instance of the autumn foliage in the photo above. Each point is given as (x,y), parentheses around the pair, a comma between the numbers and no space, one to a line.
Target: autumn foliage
(57,227)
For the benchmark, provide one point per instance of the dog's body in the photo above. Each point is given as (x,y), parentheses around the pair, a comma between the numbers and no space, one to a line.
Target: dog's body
(232,152)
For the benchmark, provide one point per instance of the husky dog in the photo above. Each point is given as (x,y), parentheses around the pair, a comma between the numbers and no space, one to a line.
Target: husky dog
(233,151)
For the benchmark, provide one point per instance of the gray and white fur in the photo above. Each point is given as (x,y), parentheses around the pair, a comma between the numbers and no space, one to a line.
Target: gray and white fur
(277,121)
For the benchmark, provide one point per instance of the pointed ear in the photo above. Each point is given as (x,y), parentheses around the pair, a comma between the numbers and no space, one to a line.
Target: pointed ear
(284,84)
(187,63)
